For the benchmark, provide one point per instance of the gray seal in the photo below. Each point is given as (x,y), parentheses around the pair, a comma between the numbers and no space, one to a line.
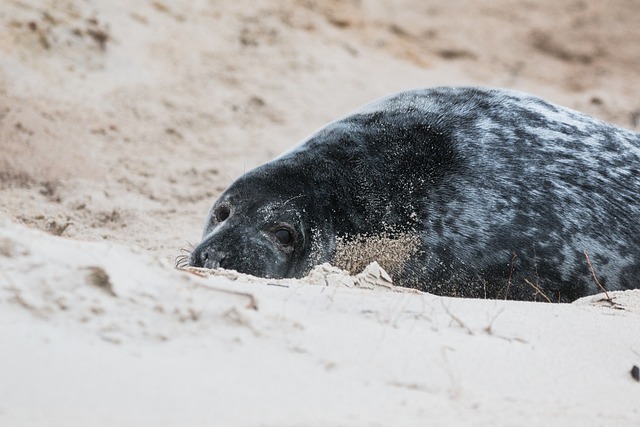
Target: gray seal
(466,192)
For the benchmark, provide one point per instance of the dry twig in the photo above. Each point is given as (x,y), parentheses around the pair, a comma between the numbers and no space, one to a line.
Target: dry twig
(456,318)
(513,259)
(253,305)
(596,279)
(538,290)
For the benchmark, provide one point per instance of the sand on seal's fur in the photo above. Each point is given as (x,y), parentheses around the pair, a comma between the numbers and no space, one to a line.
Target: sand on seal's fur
(390,251)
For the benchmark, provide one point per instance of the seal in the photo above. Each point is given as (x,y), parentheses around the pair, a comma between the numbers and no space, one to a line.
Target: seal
(458,191)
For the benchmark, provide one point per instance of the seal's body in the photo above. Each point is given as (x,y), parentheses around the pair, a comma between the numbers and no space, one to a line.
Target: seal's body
(465,192)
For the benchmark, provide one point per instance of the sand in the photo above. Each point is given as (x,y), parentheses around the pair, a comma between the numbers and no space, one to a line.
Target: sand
(120,122)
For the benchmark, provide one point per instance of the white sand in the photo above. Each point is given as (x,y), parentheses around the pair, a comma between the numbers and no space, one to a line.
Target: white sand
(120,122)
(162,347)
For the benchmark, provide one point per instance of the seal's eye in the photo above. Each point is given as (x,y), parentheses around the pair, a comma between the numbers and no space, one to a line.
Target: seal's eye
(284,236)
(222,213)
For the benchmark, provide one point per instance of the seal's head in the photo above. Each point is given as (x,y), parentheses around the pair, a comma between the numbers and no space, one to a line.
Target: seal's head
(260,226)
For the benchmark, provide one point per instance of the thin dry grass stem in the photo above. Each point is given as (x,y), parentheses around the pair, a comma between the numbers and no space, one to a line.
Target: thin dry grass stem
(593,273)
(536,286)
(535,265)
(456,389)
(513,259)
(489,328)
(538,291)
(253,304)
(456,319)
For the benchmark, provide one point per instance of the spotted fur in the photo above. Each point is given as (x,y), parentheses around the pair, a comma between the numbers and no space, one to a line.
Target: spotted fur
(505,191)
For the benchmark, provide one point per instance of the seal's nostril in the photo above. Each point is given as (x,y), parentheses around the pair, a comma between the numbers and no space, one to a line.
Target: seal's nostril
(203,258)
(209,258)
(222,263)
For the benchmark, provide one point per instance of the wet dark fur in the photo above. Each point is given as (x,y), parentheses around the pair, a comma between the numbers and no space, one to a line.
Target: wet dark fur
(505,191)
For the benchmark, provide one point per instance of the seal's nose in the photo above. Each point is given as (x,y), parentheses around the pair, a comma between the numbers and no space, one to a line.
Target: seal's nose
(205,257)
(195,259)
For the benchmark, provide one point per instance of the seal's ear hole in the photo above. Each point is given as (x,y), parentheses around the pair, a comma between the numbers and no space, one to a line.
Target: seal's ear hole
(222,213)
(284,236)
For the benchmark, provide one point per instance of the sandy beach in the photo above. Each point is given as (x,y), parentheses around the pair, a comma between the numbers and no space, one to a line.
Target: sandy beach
(121,122)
